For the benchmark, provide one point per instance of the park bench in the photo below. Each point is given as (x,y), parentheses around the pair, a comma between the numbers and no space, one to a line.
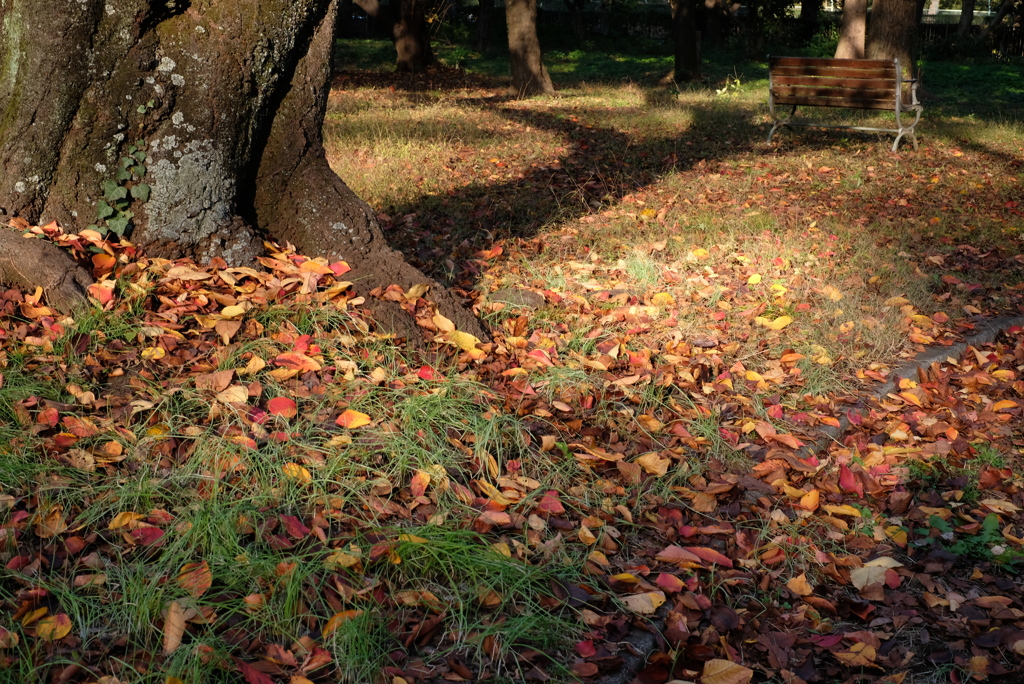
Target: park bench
(849,83)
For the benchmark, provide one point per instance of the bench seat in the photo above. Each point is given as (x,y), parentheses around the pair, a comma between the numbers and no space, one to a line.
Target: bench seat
(873,84)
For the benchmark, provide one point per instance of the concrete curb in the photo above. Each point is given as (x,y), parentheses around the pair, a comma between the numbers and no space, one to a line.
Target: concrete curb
(984,334)
(643,642)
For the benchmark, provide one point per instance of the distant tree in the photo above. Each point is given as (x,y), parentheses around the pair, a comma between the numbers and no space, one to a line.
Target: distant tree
(684,39)
(575,8)
(409,31)
(1004,9)
(717,16)
(810,15)
(529,77)
(966,18)
(853,30)
(485,13)
(892,32)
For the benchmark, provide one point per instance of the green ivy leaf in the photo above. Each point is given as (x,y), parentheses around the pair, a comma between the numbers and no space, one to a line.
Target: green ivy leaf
(103,210)
(140,156)
(139,170)
(140,191)
(118,225)
(113,191)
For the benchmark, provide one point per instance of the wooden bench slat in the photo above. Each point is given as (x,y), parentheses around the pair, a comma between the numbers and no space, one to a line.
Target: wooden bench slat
(848,102)
(828,62)
(812,92)
(873,83)
(889,73)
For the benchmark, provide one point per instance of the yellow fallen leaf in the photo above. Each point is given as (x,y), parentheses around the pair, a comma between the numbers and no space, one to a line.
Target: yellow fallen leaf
(663,299)
(125,519)
(339,619)
(153,353)
(800,586)
(463,341)
(754,279)
(832,293)
(718,671)
(297,472)
(654,464)
(236,394)
(341,559)
(233,311)
(842,510)
(443,324)
(174,627)
(700,253)
(646,603)
(352,419)
(53,627)
(1004,404)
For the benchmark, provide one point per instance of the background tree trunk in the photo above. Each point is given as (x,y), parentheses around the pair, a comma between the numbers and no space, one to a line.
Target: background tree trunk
(1004,9)
(529,77)
(575,8)
(206,124)
(483,25)
(892,32)
(853,30)
(412,37)
(717,17)
(966,19)
(684,38)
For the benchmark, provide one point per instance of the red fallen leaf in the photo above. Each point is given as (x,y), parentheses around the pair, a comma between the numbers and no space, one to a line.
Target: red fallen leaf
(586,648)
(195,578)
(251,674)
(419,482)
(775,411)
(280,437)
(584,669)
(827,640)
(282,406)
(428,373)
(339,268)
(48,416)
(147,536)
(298,362)
(709,555)
(65,440)
(102,292)
(677,555)
(670,583)
(848,481)
(294,527)
(549,503)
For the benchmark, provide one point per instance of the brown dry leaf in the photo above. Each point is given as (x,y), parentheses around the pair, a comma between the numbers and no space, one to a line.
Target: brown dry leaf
(718,671)
(51,523)
(859,655)
(174,627)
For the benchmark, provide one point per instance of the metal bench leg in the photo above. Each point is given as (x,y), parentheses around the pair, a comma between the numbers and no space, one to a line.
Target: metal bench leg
(780,123)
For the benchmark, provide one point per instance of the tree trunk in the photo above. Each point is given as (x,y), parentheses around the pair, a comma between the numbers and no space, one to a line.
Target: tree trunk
(716,20)
(966,19)
(684,39)
(483,25)
(575,8)
(412,37)
(197,131)
(810,16)
(852,31)
(892,32)
(529,77)
(1004,9)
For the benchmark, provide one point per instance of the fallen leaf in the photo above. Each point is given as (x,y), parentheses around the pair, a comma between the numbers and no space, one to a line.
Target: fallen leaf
(645,603)
(352,419)
(195,578)
(717,671)
(174,627)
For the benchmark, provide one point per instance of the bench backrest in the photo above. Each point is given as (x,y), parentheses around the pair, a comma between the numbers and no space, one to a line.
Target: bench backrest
(856,83)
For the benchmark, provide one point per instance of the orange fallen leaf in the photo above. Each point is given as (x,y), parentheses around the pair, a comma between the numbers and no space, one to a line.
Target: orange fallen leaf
(352,419)
(195,578)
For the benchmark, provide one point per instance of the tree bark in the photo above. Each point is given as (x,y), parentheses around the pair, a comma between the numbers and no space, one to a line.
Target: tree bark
(966,19)
(717,16)
(892,32)
(529,77)
(684,39)
(216,112)
(483,25)
(852,30)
